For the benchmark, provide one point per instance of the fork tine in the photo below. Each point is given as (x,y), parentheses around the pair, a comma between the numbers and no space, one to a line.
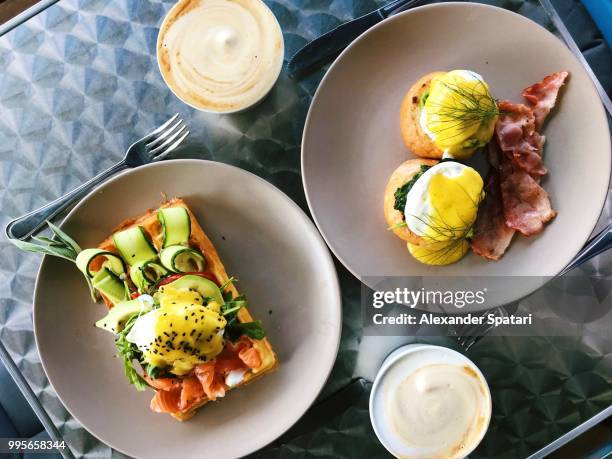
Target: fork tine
(162,136)
(159,129)
(161,148)
(171,147)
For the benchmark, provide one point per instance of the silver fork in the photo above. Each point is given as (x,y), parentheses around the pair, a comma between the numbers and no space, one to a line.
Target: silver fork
(154,146)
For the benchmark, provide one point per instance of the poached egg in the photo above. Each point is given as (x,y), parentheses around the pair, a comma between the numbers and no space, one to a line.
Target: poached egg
(182,333)
(441,208)
(459,113)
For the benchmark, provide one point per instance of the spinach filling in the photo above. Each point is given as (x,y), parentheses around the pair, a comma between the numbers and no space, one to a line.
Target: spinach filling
(401,193)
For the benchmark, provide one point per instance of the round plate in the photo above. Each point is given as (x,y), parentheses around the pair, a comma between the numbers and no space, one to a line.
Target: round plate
(352,141)
(283,267)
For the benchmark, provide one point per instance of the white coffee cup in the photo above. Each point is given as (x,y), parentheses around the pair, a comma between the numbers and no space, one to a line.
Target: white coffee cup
(429,401)
(220,56)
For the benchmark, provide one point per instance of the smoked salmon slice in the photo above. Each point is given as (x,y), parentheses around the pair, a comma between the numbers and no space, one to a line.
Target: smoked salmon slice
(191,392)
(207,379)
(166,401)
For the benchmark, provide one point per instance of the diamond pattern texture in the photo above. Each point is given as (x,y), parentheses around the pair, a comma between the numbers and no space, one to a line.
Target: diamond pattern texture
(80,83)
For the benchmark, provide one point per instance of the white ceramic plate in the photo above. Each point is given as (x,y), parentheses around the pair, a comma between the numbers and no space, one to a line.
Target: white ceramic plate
(282,264)
(352,141)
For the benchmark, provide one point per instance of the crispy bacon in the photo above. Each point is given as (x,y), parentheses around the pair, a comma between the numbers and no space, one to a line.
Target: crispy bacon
(542,96)
(526,204)
(518,139)
(491,234)
(514,199)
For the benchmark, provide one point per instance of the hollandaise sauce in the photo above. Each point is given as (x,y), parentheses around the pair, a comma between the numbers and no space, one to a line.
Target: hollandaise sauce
(441,207)
(184,331)
(459,113)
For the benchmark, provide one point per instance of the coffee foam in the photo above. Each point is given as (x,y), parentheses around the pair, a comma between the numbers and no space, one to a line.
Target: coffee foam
(220,55)
(429,402)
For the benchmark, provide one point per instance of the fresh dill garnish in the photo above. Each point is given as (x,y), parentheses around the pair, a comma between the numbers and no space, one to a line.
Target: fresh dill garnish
(401,193)
(471,105)
(442,237)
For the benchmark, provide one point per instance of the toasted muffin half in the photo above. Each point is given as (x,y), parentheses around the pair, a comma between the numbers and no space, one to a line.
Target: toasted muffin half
(402,175)
(410,127)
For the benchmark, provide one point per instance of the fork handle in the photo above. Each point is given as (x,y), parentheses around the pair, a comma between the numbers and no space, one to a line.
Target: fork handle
(31,223)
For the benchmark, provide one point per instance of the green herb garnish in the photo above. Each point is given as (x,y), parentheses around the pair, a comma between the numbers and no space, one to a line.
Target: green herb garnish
(129,352)
(60,245)
(401,193)
(471,107)
(153,372)
(234,329)
(253,330)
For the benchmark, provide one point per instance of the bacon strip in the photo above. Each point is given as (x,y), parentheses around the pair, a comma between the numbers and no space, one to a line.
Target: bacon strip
(542,96)
(526,204)
(491,234)
(518,139)
(514,199)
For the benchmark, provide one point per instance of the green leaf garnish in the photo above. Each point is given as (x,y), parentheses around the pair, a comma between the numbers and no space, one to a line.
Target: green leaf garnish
(129,352)
(253,330)
(234,329)
(61,246)
(401,193)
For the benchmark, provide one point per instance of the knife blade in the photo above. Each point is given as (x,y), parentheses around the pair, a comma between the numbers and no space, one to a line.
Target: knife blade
(326,46)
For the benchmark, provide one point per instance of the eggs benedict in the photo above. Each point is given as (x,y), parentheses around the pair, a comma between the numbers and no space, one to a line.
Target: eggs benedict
(433,206)
(448,115)
(184,331)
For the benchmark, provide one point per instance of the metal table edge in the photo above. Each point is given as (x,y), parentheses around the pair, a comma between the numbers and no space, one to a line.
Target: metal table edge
(33,401)
(52,430)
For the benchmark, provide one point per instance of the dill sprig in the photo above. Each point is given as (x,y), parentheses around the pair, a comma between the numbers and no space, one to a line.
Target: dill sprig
(471,106)
(441,234)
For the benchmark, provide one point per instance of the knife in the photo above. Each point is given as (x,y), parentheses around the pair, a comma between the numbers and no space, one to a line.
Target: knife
(325,47)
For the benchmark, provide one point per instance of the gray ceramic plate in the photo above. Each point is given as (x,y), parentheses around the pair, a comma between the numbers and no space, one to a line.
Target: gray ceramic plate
(282,265)
(352,142)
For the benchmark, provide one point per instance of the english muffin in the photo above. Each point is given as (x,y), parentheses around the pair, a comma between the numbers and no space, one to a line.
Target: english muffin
(402,175)
(413,135)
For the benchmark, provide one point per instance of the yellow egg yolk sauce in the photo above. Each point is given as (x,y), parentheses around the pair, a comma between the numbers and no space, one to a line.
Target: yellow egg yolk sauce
(459,114)
(187,331)
(454,206)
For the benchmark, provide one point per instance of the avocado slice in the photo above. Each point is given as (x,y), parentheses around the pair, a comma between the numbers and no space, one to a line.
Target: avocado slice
(116,318)
(206,288)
